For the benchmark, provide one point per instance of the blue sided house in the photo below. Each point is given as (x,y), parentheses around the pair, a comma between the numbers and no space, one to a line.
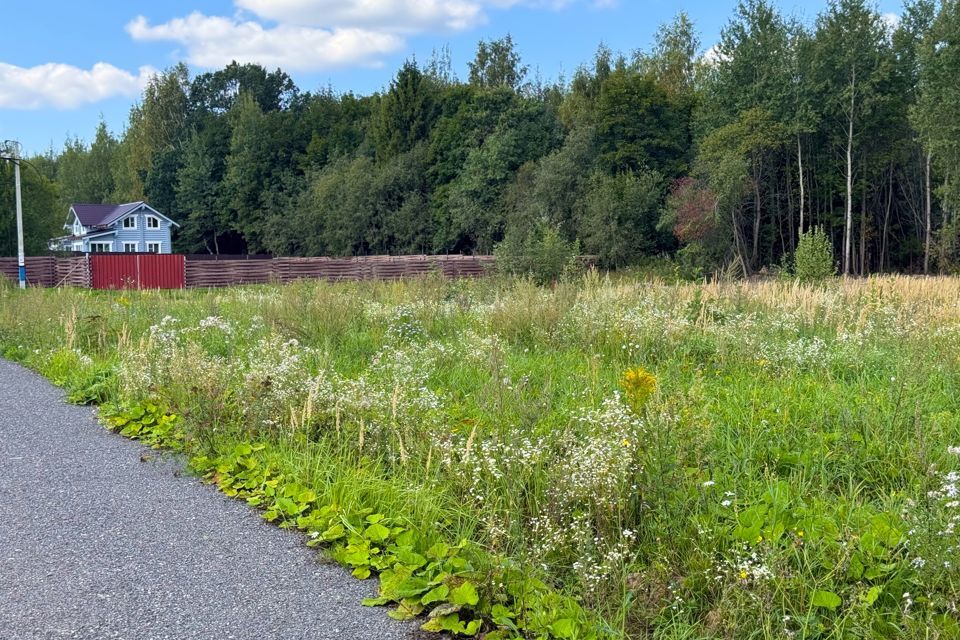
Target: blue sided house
(102,228)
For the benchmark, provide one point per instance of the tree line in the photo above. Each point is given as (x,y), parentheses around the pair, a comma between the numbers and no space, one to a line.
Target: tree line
(722,158)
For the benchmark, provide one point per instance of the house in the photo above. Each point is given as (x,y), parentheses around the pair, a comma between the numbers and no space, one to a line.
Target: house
(101,228)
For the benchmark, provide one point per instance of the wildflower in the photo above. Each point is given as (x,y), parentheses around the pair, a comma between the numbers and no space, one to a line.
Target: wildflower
(954,450)
(743,574)
(759,539)
(638,384)
(626,442)
(726,503)
(709,483)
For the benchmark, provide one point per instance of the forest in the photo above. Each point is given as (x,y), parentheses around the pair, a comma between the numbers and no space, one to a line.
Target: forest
(719,157)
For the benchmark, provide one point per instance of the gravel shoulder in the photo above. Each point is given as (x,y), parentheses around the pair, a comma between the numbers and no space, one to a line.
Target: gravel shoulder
(101,538)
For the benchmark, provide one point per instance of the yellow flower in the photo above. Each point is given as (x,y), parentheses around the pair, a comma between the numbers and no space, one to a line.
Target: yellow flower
(759,538)
(743,574)
(638,384)
(626,442)
(800,533)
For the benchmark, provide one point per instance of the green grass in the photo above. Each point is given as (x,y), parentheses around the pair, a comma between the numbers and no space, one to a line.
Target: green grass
(789,477)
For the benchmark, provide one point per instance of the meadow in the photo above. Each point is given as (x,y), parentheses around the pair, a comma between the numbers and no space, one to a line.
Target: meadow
(604,458)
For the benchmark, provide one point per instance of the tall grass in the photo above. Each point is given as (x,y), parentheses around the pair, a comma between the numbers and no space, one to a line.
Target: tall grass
(792,474)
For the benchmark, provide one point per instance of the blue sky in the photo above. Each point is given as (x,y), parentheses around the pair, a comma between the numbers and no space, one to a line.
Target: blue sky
(64,63)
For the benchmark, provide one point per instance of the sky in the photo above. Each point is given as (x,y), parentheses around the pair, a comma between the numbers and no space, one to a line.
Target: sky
(65,64)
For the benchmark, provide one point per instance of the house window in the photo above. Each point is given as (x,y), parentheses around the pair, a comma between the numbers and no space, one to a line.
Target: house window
(153,222)
(101,247)
(131,247)
(130,222)
(153,247)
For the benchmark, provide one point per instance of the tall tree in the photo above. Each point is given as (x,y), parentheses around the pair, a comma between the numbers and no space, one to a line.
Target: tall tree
(407,112)
(937,113)
(156,124)
(850,47)
(497,65)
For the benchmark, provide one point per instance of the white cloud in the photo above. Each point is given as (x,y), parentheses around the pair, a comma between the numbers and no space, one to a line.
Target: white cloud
(214,41)
(712,55)
(311,35)
(397,16)
(890,20)
(391,15)
(63,86)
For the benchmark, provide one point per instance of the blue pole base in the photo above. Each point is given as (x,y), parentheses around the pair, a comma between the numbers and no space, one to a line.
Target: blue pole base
(23,275)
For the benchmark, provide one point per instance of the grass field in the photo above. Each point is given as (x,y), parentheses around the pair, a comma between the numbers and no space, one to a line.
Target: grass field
(622,458)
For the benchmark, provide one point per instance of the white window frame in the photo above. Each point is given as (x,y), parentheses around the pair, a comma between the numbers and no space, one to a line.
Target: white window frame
(157,245)
(105,247)
(131,243)
(133,220)
(153,222)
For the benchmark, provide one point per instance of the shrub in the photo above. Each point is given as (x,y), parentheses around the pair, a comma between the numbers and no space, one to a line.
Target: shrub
(814,257)
(543,253)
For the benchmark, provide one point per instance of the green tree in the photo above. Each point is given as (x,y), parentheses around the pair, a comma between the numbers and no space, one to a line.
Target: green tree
(407,112)
(42,217)
(848,61)
(814,258)
(156,124)
(639,127)
(673,61)
(247,166)
(619,216)
(217,91)
(497,65)
(937,117)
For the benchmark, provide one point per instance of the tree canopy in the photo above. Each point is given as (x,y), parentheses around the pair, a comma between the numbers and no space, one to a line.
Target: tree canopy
(722,157)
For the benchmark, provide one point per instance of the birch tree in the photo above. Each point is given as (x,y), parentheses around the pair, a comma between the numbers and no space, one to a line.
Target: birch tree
(849,42)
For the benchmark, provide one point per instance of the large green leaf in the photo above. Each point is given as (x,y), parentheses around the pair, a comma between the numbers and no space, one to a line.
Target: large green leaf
(826,600)
(465,594)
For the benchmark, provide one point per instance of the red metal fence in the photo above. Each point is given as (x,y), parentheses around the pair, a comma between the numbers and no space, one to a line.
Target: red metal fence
(137,271)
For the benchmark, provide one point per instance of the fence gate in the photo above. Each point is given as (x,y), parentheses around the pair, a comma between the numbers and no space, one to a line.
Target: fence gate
(136,271)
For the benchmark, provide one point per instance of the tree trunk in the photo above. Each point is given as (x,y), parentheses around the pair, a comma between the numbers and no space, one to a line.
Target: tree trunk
(800,173)
(790,217)
(848,226)
(755,257)
(863,231)
(926,222)
(737,244)
(886,221)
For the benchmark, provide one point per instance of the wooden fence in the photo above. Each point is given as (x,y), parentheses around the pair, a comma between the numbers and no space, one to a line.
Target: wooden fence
(219,273)
(50,271)
(223,271)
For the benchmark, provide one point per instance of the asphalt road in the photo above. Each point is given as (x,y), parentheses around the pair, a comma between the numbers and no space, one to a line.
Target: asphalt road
(96,543)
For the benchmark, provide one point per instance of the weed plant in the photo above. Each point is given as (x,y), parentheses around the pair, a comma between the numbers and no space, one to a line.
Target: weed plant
(728,460)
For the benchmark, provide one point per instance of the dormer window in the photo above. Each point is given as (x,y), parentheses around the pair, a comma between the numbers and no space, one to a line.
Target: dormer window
(153,222)
(130,222)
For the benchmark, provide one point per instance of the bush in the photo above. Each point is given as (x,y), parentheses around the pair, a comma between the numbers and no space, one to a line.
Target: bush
(814,257)
(543,253)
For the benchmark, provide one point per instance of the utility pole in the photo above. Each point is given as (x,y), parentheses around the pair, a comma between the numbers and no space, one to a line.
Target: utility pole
(11,151)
